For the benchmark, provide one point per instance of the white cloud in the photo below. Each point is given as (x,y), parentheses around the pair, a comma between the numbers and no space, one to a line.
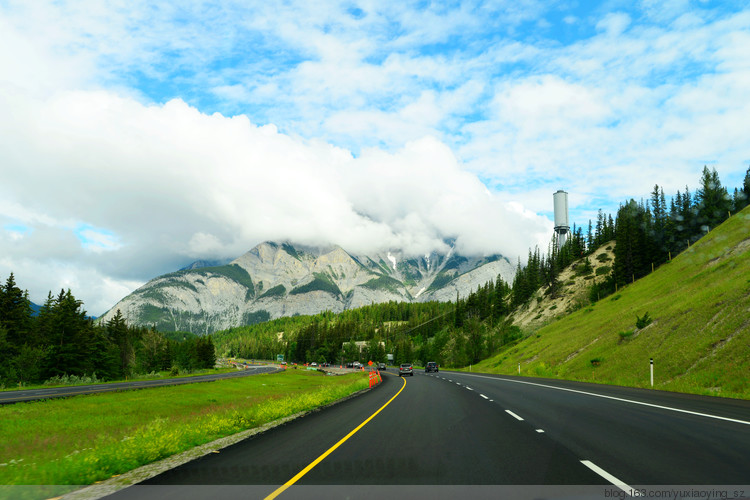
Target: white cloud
(378,125)
(614,24)
(549,104)
(97,240)
(144,180)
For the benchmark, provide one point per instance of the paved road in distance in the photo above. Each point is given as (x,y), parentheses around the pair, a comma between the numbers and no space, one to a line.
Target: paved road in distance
(8,397)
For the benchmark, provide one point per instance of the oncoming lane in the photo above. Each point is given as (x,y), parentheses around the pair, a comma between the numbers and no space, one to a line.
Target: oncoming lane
(10,397)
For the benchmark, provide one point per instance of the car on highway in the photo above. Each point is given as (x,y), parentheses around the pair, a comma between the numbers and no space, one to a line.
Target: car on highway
(381,366)
(406,369)
(431,366)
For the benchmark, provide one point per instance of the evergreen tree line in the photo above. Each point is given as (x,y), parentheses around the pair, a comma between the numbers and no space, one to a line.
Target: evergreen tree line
(649,233)
(645,235)
(452,334)
(322,337)
(63,341)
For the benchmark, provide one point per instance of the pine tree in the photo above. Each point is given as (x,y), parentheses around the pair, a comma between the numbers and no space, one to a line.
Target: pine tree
(500,305)
(741,196)
(659,210)
(205,352)
(120,336)
(70,335)
(599,236)
(658,251)
(15,315)
(633,246)
(459,313)
(712,201)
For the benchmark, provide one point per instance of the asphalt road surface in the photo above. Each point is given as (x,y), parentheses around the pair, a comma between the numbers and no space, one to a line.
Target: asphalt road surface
(8,397)
(449,435)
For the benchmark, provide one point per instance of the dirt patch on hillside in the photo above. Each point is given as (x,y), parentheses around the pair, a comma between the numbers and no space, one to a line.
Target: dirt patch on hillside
(742,247)
(579,351)
(574,291)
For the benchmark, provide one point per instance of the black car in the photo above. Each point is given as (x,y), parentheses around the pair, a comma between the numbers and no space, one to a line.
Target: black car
(381,366)
(405,369)
(431,367)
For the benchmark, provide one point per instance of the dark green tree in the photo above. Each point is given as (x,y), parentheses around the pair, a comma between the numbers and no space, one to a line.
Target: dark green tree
(205,352)
(120,336)
(15,315)
(712,201)
(70,337)
(632,247)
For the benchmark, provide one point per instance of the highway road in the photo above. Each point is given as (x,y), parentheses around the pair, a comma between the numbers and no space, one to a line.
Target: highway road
(8,397)
(451,434)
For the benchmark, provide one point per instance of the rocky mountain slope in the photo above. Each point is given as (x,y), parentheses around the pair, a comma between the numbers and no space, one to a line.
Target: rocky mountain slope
(691,316)
(575,281)
(274,280)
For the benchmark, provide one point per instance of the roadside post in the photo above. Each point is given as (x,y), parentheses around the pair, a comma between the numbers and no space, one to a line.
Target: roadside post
(652,372)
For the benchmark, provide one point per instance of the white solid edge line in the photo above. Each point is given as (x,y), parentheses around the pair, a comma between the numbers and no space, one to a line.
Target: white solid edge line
(708,415)
(513,415)
(609,477)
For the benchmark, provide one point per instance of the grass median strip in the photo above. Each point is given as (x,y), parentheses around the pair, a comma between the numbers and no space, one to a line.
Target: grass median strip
(81,440)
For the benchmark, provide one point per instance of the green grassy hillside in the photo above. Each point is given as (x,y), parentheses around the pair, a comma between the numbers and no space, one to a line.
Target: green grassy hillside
(699,337)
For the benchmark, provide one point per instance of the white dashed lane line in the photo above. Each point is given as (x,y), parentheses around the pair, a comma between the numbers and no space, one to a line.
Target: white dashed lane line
(513,415)
(609,477)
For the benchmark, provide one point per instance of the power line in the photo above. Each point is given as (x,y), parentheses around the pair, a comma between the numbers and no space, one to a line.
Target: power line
(419,325)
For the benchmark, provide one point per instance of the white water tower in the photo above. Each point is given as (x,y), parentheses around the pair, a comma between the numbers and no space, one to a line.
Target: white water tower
(562,228)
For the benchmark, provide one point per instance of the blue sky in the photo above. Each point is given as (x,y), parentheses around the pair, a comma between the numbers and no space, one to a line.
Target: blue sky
(138,136)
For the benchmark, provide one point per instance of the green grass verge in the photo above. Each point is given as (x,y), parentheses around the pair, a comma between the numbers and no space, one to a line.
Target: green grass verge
(698,337)
(84,439)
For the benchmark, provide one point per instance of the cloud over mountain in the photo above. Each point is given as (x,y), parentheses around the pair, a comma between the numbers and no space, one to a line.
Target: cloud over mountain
(137,137)
(168,181)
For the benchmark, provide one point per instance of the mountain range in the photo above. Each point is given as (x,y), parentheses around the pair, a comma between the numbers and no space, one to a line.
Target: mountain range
(281,279)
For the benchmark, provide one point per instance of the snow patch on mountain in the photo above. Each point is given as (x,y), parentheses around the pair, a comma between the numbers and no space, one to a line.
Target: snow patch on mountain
(392,259)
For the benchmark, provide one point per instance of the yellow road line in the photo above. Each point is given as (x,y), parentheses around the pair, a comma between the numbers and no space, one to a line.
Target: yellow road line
(315,462)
